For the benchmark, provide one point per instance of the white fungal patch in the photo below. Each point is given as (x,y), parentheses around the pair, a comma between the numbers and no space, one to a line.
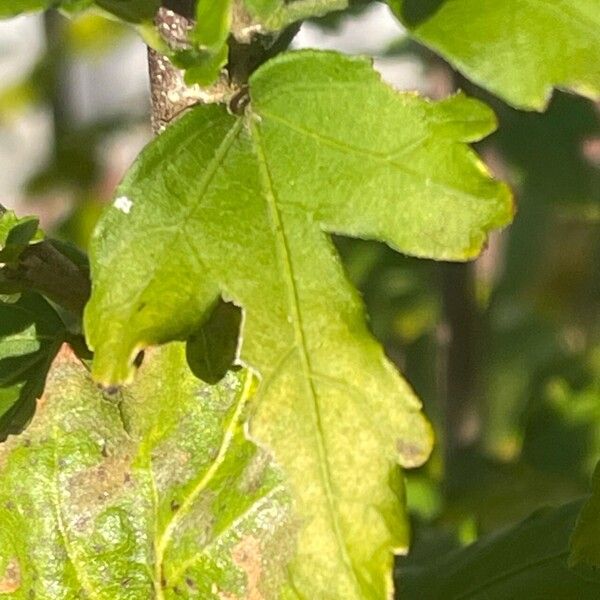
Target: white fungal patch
(124,204)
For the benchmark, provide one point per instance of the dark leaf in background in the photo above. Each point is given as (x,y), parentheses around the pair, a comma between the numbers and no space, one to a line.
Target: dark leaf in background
(528,560)
(30,335)
(131,10)
(585,543)
(16,234)
(211,350)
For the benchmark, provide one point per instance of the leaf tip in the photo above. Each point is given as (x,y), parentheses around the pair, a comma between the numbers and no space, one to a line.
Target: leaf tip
(113,369)
(416,445)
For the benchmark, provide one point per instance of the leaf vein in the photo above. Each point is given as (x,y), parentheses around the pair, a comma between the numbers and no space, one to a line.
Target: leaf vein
(256,506)
(365,152)
(208,175)
(201,485)
(294,305)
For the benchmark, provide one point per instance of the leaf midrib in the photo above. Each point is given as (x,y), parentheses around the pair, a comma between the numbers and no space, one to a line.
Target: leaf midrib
(284,255)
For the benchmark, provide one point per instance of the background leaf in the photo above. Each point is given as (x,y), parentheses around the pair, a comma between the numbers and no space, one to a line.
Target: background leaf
(528,560)
(156,493)
(30,335)
(585,545)
(134,11)
(517,49)
(11,8)
(16,234)
(212,349)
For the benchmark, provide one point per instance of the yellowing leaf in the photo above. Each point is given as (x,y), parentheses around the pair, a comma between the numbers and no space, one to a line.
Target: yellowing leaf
(156,494)
(241,207)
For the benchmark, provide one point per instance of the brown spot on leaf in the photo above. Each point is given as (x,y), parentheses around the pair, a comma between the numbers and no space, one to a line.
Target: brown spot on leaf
(139,359)
(99,485)
(411,454)
(247,555)
(11,580)
(191,583)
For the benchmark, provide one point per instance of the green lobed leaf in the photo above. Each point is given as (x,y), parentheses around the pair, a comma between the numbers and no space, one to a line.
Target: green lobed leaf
(518,49)
(156,494)
(239,207)
(528,560)
(30,335)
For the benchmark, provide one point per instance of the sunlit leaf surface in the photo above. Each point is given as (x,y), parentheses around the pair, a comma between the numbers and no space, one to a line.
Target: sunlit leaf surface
(240,207)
